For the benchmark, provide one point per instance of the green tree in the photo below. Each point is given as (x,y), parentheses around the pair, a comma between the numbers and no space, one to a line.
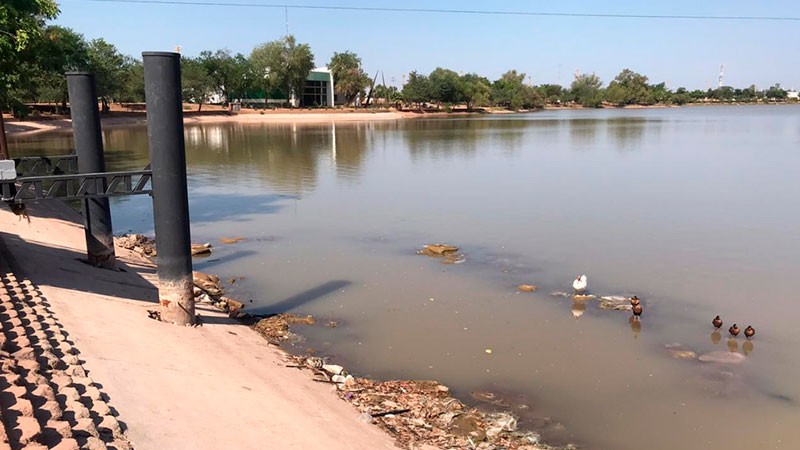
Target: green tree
(349,79)
(56,51)
(196,83)
(109,67)
(230,74)
(417,89)
(133,82)
(628,88)
(283,64)
(776,93)
(445,86)
(509,91)
(585,90)
(476,90)
(551,93)
(20,21)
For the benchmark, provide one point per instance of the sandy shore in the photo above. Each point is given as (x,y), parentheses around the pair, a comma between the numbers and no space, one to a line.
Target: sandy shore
(26,127)
(216,386)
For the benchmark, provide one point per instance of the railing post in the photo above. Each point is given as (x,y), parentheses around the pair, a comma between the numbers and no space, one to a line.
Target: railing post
(89,148)
(162,86)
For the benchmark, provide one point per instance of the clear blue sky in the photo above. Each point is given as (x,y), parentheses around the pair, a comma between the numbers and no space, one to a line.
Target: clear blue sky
(549,49)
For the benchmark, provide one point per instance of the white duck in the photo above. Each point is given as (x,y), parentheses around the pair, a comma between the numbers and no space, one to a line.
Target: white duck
(580,283)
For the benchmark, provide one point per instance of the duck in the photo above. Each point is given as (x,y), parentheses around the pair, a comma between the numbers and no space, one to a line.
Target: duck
(717,322)
(749,332)
(580,283)
(635,300)
(637,310)
(733,330)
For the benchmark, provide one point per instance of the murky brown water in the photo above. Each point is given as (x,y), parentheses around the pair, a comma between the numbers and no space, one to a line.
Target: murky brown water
(693,209)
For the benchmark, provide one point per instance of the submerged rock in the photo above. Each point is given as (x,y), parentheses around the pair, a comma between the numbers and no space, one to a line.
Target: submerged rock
(722,357)
(276,328)
(448,253)
(583,297)
(437,249)
(615,303)
(527,287)
(233,240)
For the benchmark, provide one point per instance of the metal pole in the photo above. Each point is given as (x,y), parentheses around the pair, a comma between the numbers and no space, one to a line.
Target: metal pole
(89,148)
(4,154)
(162,86)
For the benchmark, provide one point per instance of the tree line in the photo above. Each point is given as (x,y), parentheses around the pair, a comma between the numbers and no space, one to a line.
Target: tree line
(35,57)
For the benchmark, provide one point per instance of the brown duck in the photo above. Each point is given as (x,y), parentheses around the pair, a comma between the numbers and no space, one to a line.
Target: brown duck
(637,310)
(734,330)
(717,322)
(635,300)
(749,332)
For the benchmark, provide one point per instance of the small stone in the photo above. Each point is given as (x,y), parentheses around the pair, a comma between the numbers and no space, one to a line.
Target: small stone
(101,408)
(78,409)
(76,370)
(233,240)
(61,427)
(69,393)
(93,393)
(93,443)
(50,410)
(61,380)
(527,287)
(119,444)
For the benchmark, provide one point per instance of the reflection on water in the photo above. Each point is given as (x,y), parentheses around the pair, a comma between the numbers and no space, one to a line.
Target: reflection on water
(733,345)
(685,207)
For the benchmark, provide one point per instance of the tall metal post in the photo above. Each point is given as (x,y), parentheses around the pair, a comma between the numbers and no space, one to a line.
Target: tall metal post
(162,86)
(89,148)
(4,154)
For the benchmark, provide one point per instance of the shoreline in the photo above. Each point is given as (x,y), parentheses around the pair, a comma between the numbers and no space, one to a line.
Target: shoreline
(47,124)
(144,364)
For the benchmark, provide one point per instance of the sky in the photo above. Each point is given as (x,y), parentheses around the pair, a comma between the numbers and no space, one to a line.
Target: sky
(549,49)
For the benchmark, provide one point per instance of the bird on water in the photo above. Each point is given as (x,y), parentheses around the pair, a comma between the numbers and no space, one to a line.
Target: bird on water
(717,322)
(749,332)
(635,300)
(580,283)
(637,310)
(733,330)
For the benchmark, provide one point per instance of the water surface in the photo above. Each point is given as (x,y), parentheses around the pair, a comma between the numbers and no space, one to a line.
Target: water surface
(692,209)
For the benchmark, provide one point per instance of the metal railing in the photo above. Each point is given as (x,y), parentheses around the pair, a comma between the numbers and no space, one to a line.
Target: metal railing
(76,186)
(46,165)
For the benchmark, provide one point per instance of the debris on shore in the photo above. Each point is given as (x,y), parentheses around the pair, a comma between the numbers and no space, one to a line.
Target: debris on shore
(138,243)
(146,246)
(275,328)
(201,249)
(448,253)
(208,289)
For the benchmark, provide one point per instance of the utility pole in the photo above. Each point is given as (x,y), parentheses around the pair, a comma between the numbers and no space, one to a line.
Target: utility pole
(721,69)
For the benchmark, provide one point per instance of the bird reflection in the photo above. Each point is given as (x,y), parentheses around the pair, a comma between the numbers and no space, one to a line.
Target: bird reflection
(636,326)
(578,308)
(747,347)
(733,345)
(715,337)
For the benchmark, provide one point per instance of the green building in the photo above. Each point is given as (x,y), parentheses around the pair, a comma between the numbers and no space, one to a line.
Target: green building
(317,92)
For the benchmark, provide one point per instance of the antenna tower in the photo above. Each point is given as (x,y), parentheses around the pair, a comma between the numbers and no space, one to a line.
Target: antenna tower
(721,73)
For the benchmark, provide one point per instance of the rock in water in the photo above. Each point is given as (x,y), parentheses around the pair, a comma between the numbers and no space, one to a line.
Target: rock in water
(615,303)
(201,249)
(527,287)
(722,357)
(233,240)
(437,249)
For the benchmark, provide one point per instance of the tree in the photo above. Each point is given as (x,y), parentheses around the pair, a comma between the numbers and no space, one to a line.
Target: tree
(585,90)
(508,90)
(445,86)
(109,67)
(551,93)
(283,64)
(349,79)
(776,93)
(196,84)
(476,90)
(230,74)
(628,88)
(133,82)
(56,51)
(417,89)
(20,21)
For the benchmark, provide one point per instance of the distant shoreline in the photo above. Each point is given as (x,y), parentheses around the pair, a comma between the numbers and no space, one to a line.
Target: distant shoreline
(54,123)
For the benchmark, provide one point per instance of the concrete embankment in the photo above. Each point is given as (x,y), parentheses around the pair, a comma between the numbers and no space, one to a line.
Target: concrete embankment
(217,386)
